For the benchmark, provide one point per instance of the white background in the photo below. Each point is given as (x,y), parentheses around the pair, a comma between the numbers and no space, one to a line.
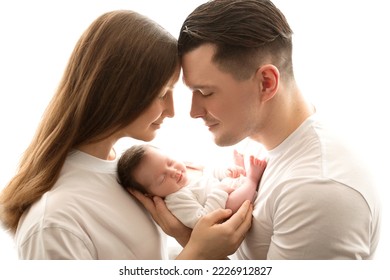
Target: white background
(341,59)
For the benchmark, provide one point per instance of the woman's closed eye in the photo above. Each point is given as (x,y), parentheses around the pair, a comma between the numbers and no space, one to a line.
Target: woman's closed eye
(165,94)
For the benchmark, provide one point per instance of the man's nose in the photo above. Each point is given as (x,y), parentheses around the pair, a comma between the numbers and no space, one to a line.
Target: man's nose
(197,109)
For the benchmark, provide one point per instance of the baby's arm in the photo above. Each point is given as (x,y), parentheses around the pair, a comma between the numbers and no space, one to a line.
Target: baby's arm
(185,205)
(247,190)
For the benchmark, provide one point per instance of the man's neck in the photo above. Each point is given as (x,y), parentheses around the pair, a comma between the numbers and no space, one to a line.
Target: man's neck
(287,114)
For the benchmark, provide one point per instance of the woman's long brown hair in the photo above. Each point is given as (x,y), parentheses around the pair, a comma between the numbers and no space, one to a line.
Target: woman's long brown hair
(118,67)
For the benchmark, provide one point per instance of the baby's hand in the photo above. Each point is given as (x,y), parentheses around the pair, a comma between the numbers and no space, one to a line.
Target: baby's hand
(235,171)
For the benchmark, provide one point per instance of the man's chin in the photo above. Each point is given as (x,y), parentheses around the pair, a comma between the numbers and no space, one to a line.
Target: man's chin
(222,141)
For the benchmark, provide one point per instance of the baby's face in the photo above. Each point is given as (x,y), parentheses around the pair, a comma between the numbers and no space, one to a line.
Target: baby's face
(160,174)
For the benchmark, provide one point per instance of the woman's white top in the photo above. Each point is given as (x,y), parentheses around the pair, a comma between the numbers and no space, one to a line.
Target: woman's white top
(88,215)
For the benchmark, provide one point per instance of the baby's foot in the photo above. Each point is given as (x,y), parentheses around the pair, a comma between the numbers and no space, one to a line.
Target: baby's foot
(239,159)
(256,168)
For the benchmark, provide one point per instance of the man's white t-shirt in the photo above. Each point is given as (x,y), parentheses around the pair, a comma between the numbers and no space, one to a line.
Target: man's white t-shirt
(88,215)
(316,200)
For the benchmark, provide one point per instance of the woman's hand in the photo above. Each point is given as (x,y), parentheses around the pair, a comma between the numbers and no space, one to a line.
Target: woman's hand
(216,236)
(163,217)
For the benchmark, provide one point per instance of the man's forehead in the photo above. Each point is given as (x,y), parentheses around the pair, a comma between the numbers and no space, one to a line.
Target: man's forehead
(196,59)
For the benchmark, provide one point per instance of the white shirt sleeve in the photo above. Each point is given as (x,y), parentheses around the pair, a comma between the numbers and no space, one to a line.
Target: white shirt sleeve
(55,244)
(312,222)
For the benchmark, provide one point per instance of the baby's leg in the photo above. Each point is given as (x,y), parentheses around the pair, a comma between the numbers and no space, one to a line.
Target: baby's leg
(248,189)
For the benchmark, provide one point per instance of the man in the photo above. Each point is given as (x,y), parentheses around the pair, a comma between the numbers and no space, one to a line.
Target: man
(315,200)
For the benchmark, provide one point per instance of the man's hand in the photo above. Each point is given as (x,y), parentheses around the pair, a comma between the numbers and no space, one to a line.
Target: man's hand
(216,236)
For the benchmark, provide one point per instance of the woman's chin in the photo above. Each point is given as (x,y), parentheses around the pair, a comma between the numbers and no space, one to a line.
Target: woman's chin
(147,136)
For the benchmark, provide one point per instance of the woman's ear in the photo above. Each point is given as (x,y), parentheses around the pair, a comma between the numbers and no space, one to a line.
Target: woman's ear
(268,76)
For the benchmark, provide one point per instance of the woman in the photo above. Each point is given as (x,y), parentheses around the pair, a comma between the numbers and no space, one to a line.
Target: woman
(65,202)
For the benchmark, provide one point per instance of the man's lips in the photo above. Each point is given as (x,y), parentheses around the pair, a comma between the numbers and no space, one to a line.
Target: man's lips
(211,125)
(210,122)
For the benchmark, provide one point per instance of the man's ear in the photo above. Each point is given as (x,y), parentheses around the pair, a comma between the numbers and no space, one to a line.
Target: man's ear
(268,76)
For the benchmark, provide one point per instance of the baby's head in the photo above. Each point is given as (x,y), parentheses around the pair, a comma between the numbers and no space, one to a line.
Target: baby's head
(147,169)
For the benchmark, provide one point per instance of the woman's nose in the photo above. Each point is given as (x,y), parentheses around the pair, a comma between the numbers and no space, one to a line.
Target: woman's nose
(169,110)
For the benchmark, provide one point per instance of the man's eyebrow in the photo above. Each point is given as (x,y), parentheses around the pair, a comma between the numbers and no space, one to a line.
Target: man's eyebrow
(201,87)
(198,86)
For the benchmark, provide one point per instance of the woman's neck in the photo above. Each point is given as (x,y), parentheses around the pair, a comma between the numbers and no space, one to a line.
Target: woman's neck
(102,149)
